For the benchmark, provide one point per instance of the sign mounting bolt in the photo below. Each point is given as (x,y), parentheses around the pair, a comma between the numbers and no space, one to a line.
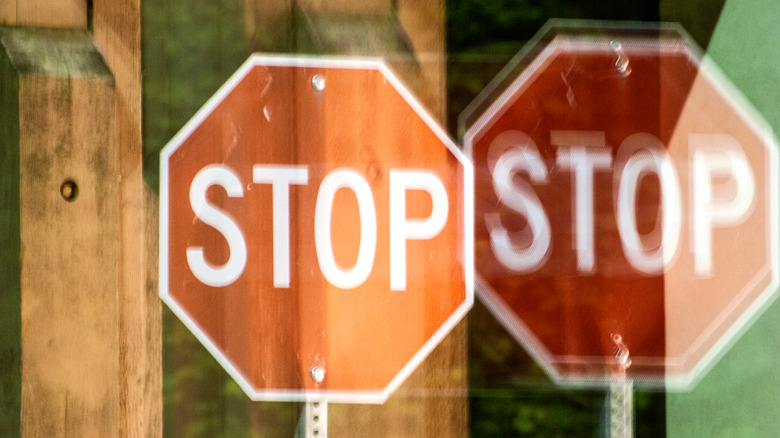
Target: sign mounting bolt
(318,83)
(317,374)
(621,64)
(621,355)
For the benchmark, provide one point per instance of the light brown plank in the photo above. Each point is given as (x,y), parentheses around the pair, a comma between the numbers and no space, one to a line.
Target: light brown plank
(424,24)
(117,33)
(145,393)
(44,13)
(71,265)
(8,12)
(446,369)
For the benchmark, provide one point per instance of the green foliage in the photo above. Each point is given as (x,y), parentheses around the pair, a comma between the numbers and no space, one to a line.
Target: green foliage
(10,254)
(189,50)
(477,23)
(511,396)
(201,400)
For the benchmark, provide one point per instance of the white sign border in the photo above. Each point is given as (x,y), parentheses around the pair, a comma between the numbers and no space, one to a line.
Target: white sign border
(372,397)
(521,332)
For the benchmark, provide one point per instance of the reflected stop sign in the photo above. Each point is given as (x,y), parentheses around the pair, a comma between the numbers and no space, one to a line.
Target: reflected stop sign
(622,188)
(316,230)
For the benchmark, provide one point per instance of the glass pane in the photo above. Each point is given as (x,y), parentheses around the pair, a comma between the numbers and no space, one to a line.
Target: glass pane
(459,57)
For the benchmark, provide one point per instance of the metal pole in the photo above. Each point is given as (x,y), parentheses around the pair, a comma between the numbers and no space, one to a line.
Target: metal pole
(621,408)
(621,394)
(314,421)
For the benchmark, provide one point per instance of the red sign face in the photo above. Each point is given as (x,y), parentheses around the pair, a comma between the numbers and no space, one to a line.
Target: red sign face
(623,189)
(316,230)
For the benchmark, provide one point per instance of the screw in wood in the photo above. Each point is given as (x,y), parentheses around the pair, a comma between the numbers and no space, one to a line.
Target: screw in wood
(69,190)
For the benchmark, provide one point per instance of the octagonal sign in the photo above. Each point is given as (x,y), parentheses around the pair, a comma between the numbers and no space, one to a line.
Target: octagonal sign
(624,190)
(315,229)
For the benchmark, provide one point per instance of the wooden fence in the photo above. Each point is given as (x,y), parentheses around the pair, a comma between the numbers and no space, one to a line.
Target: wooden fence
(82,351)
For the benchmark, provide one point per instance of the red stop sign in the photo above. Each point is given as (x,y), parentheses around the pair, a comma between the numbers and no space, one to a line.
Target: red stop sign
(623,188)
(316,230)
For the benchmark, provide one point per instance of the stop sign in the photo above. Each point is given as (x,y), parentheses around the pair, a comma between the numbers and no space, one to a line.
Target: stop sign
(316,229)
(623,187)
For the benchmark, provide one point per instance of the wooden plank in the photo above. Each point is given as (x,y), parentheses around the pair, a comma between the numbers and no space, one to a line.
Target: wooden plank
(410,38)
(351,35)
(8,12)
(446,369)
(117,32)
(70,266)
(148,412)
(410,35)
(44,13)
(424,26)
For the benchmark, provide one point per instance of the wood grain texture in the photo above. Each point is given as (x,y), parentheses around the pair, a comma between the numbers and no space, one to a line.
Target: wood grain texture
(410,35)
(410,38)
(423,23)
(433,401)
(70,266)
(44,13)
(147,393)
(117,32)
(8,12)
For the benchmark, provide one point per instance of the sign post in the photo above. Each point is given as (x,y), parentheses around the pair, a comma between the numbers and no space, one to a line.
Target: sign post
(313,421)
(315,230)
(624,192)
(621,393)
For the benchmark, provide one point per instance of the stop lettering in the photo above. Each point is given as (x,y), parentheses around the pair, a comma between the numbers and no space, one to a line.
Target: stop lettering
(280,179)
(582,154)
(315,229)
(624,191)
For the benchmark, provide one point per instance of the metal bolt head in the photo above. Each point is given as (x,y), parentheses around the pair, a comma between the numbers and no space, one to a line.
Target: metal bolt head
(318,83)
(622,67)
(317,374)
(621,64)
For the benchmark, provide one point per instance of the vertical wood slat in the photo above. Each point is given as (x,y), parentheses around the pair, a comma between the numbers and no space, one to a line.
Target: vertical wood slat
(137,315)
(445,371)
(117,33)
(424,26)
(433,401)
(44,13)
(70,265)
